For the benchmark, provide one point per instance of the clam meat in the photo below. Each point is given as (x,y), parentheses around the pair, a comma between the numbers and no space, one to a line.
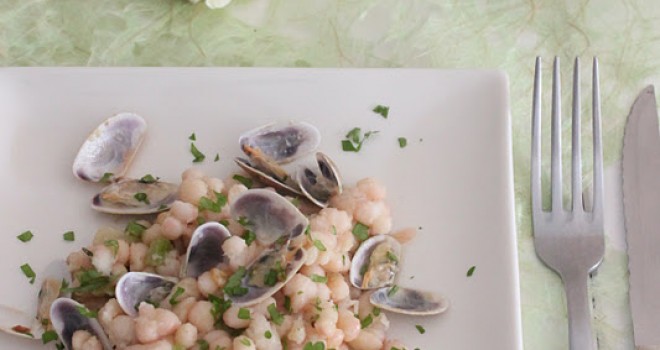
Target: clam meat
(375,263)
(134,197)
(110,148)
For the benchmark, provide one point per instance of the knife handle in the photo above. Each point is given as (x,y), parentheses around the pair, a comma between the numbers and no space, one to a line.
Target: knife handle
(579,312)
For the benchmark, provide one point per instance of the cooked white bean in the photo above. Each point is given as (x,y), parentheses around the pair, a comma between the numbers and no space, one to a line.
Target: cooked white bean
(122,331)
(182,309)
(367,340)
(186,335)
(108,312)
(257,330)
(78,260)
(326,324)
(372,188)
(218,339)
(201,317)
(349,324)
(405,235)
(236,251)
(172,228)
(192,173)
(83,340)
(103,259)
(152,233)
(232,320)
(244,343)
(184,212)
(339,289)
(153,324)
(159,345)
(301,290)
(214,184)
(138,253)
(192,190)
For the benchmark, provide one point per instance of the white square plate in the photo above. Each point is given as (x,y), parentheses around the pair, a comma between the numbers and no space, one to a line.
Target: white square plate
(454,179)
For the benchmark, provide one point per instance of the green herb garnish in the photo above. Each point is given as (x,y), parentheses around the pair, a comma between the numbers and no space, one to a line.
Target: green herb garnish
(376,311)
(355,139)
(69,236)
(366,322)
(245,341)
(157,251)
(86,312)
(134,230)
(319,245)
(177,293)
(106,178)
(192,137)
(244,314)
(392,290)
(403,142)
(217,157)
(420,329)
(113,244)
(384,111)
(361,231)
(268,335)
(142,197)
(149,179)
(25,236)
(319,279)
(470,272)
(28,272)
(89,280)
(246,181)
(234,287)
(275,315)
(249,237)
(392,257)
(48,337)
(287,304)
(203,344)
(199,156)
(206,203)
(314,346)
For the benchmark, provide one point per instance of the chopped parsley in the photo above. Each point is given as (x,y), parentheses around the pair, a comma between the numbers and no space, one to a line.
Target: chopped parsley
(274,275)
(177,293)
(355,139)
(48,336)
(192,137)
(384,111)
(403,142)
(149,179)
(319,245)
(249,237)
(88,281)
(243,314)
(28,272)
(376,311)
(86,312)
(113,244)
(392,290)
(142,197)
(246,181)
(134,230)
(287,304)
(361,231)
(69,236)
(420,329)
(217,157)
(206,203)
(268,335)
(199,156)
(319,345)
(392,257)
(219,307)
(106,178)
(64,286)
(157,251)
(234,287)
(203,344)
(319,279)
(245,341)
(366,322)
(25,236)
(224,222)
(275,315)
(470,272)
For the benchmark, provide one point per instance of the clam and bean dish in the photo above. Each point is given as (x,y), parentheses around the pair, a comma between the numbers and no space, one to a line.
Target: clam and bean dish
(278,255)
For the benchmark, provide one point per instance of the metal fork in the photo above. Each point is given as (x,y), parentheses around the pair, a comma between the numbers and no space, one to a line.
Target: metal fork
(569,241)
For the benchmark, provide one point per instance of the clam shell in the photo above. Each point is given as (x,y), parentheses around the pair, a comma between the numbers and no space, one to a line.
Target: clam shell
(110,147)
(319,186)
(362,257)
(119,197)
(409,301)
(269,215)
(67,319)
(205,249)
(265,178)
(19,323)
(134,288)
(283,142)
(257,294)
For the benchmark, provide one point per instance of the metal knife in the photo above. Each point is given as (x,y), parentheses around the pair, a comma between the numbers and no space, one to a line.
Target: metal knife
(641,202)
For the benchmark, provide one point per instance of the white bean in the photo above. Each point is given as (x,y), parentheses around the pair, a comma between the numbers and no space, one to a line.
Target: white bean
(244,343)
(103,259)
(153,324)
(372,188)
(349,324)
(186,335)
(367,340)
(301,290)
(172,228)
(192,190)
(235,249)
(339,289)
(232,320)
(78,260)
(326,324)
(83,340)
(192,173)
(201,317)
(184,212)
(159,345)
(138,253)
(257,330)
(122,331)
(218,339)
(108,312)
(182,309)
(153,232)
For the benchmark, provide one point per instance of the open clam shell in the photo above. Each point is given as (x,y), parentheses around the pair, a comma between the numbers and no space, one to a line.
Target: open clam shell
(409,301)
(280,263)
(19,323)
(134,288)
(110,148)
(134,197)
(267,179)
(282,142)
(205,249)
(375,263)
(66,316)
(319,186)
(269,215)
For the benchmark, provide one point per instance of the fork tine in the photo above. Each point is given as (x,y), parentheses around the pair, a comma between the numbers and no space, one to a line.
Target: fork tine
(576,168)
(536,142)
(555,174)
(598,146)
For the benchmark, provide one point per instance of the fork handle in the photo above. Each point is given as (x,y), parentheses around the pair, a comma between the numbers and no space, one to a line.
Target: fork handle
(579,312)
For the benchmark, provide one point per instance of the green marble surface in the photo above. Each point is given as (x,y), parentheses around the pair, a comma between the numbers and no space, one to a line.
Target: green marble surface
(502,34)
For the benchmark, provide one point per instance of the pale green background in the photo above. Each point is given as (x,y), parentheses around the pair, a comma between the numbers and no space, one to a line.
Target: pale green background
(507,35)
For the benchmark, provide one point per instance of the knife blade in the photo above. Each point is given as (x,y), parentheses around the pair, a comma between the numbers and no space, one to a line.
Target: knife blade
(641,203)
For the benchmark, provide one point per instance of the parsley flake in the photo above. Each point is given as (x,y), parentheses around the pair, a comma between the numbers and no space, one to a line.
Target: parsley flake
(243,314)
(192,137)
(28,272)
(366,322)
(134,230)
(354,140)
(246,181)
(319,279)
(217,157)
(25,236)
(69,236)
(149,179)
(249,237)
(203,344)
(199,156)
(177,293)
(48,336)
(234,287)
(268,335)
(470,272)
(420,329)
(142,197)
(392,290)
(86,312)
(403,142)
(106,178)
(384,111)
(319,245)
(361,231)
(275,315)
